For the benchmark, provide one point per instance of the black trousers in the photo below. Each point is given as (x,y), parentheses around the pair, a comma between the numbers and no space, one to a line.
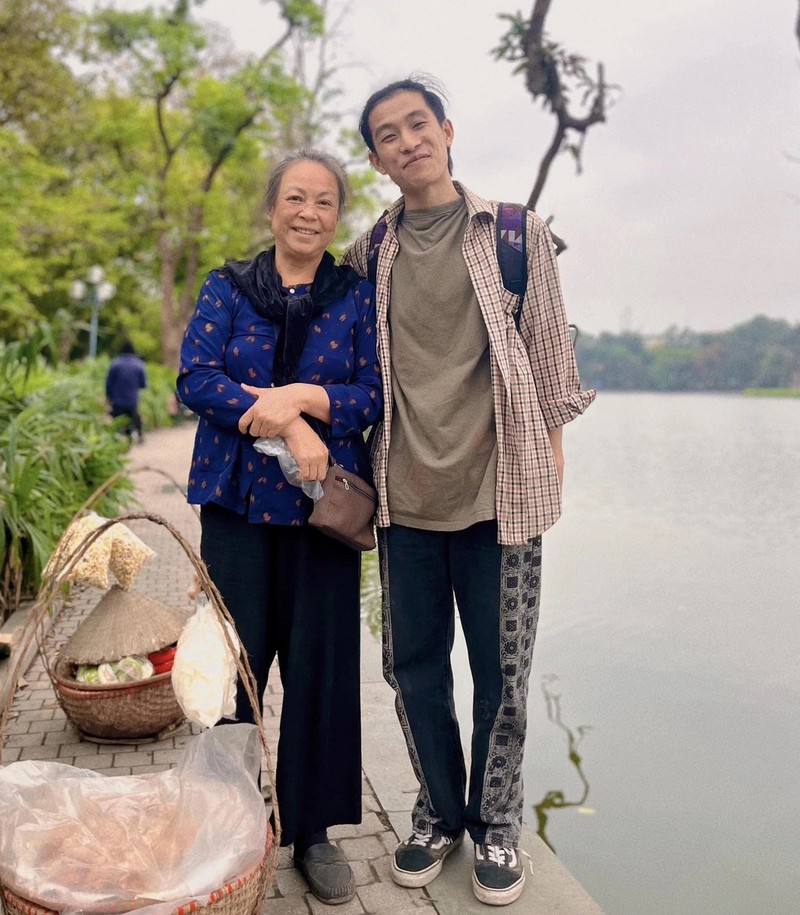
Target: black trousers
(294,594)
(135,420)
(497,591)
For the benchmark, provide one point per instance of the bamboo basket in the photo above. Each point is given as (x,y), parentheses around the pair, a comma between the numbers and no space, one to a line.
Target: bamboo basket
(137,710)
(243,893)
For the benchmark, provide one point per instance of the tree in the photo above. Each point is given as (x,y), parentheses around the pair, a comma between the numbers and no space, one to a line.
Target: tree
(762,353)
(38,96)
(552,74)
(205,112)
(36,83)
(150,159)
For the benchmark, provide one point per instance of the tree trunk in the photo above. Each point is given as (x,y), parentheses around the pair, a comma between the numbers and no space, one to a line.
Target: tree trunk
(171,325)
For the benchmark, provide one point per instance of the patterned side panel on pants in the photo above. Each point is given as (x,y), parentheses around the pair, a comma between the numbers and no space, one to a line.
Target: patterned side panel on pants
(422,815)
(520,589)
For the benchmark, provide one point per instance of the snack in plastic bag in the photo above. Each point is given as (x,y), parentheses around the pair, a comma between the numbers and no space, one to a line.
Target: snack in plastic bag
(276,447)
(76,841)
(92,568)
(126,670)
(87,673)
(128,554)
(204,671)
(118,550)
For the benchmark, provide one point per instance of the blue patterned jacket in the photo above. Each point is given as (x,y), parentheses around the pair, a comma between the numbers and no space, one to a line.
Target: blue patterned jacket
(228,343)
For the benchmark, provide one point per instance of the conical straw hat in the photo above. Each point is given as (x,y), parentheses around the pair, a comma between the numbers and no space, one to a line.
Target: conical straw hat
(123,623)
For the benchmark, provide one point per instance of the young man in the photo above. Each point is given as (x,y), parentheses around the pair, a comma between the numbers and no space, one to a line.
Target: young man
(468,466)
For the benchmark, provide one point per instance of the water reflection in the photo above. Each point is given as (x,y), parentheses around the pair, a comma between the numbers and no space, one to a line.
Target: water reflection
(556,799)
(371,592)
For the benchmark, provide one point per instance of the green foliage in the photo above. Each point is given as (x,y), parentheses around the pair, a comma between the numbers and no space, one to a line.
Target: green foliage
(762,353)
(157,403)
(304,14)
(57,447)
(55,450)
(150,159)
(35,82)
(772,392)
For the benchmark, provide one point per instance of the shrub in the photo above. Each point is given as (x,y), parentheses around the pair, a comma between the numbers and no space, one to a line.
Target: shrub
(55,450)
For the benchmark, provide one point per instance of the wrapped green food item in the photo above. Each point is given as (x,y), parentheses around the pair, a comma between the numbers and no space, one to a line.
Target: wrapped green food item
(133,668)
(126,670)
(106,673)
(87,673)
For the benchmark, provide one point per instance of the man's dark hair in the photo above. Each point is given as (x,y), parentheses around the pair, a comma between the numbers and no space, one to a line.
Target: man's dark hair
(431,92)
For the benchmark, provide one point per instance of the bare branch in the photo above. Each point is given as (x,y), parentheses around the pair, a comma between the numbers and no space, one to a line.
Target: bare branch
(536,28)
(797,27)
(169,149)
(277,45)
(554,75)
(544,165)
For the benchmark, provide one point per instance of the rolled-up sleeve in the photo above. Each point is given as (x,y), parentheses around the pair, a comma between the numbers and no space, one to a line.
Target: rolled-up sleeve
(545,332)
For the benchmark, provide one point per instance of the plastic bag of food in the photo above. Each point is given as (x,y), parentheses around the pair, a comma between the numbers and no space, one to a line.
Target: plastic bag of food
(126,670)
(73,840)
(128,554)
(204,670)
(92,567)
(88,673)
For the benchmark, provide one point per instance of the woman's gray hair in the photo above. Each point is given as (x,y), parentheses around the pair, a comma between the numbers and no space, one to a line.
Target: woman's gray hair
(330,162)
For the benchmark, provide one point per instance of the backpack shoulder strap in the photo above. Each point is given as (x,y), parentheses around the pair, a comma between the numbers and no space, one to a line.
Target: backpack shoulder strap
(375,239)
(511,225)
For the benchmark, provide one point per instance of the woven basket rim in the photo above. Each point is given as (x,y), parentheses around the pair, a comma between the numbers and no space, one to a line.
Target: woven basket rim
(69,685)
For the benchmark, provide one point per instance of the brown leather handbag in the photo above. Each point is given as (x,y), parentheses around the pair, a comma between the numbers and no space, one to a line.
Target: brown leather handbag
(347,509)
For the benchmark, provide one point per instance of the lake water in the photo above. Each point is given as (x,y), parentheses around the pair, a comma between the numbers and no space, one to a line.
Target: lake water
(667,658)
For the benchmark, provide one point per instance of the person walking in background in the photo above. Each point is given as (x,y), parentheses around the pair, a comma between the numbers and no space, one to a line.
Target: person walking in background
(126,377)
(284,346)
(468,466)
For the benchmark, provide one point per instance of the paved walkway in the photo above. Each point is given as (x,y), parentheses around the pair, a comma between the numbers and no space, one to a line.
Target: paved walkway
(38,729)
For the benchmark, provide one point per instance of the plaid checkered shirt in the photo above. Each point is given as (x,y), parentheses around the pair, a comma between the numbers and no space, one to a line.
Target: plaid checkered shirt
(535,380)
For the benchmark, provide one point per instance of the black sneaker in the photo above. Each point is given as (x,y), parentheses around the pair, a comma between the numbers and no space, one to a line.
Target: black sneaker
(418,860)
(498,876)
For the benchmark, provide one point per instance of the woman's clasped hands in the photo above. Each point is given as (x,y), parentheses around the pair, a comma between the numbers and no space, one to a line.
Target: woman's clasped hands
(276,412)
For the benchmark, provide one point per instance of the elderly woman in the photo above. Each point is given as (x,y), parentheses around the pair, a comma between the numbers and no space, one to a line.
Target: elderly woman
(284,345)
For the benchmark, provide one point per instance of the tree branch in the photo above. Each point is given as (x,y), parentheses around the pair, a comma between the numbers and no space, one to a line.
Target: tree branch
(169,149)
(797,27)
(544,165)
(550,71)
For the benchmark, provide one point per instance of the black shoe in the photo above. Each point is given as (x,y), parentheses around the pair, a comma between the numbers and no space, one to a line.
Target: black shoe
(498,876)
(419,859)
(327,873)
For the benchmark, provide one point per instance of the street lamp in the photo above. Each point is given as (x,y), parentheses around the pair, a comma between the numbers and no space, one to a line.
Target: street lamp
(100,291)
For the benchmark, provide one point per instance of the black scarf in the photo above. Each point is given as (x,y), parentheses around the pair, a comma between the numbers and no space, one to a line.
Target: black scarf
(261,283)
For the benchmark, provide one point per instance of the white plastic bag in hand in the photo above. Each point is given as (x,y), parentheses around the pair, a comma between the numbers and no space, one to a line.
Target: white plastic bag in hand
(276,447)
(204,671)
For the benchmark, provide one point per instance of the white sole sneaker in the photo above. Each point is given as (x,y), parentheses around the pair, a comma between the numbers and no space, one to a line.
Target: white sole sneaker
(416,879)
(498,897)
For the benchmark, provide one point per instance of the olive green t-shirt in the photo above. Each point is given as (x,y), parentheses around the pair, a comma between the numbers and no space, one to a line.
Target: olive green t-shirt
(442,463)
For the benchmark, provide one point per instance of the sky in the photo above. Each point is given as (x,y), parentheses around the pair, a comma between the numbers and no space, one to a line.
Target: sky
(687,213)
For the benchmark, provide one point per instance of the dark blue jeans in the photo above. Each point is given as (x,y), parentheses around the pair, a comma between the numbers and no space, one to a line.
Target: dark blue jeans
(497,591)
